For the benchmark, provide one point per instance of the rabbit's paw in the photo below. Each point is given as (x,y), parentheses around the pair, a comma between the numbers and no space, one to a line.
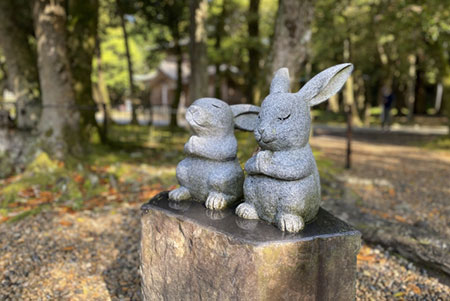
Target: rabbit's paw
(180,194)
(216,201)
(247,211)
(290,222)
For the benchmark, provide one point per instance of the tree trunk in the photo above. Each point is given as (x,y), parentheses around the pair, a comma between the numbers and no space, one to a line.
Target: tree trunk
(20,58)
(219,32)
(179,88)
(420,106)
(103,96)
(253,50)
(129,64)
(411,96)
(82,45)
(349,92)
(59,124)
(291,36)
(198,83)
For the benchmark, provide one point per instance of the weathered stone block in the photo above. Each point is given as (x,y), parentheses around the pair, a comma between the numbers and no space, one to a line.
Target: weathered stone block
(191,253)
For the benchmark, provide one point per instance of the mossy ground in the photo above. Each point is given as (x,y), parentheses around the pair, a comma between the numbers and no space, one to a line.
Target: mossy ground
(441,143)
(131,169)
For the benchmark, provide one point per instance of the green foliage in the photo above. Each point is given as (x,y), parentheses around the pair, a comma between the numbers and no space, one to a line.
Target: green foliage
(384,37)
(42,164)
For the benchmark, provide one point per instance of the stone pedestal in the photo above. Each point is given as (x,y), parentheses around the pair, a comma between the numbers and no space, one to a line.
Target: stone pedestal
(191,253)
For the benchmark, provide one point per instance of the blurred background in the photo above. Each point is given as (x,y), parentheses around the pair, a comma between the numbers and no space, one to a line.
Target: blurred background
(92,101)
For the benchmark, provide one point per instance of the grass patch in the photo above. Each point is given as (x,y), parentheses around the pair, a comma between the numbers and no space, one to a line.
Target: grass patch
(328,117)
(441,143)
(27,213)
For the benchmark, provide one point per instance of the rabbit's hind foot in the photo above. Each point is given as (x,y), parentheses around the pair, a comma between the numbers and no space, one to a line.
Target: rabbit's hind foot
(289,222)
(217,200)
(247,211)
(180,194)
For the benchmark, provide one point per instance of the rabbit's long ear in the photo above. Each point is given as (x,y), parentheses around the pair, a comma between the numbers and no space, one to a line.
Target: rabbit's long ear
(280,81)
(245,117)
(325,84)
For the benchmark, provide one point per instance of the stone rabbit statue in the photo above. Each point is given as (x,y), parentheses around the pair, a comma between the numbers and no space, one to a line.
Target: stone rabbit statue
(283,185)
(211,172)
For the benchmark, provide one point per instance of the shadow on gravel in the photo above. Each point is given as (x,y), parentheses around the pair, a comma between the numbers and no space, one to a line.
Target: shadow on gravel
(122,277)
(378,136)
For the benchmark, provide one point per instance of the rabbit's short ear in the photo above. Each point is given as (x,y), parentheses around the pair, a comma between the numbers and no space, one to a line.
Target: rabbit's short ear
(245,117)
(280,81)
(325,84)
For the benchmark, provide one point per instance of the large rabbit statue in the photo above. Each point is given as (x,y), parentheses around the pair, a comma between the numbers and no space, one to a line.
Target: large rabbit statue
(283,185)
(211,172)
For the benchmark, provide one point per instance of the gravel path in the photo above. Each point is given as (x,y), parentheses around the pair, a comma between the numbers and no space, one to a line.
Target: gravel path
(93,255)
(400,183)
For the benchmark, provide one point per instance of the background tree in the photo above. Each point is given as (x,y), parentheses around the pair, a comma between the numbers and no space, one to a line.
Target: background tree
(199,79)
(16,31)
(172,16)
(60,120)
(82,33)
(124,7)
(291,36)
(254,48)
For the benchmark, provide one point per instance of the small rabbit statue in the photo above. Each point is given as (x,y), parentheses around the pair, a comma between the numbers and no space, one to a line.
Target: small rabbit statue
(211,172)
(283,185)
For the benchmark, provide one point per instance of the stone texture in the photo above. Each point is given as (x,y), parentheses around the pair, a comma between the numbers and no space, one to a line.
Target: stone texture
(283,184)
(211,173)
(191,253)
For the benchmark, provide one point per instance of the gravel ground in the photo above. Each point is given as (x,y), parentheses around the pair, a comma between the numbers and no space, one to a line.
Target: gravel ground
(398,183)
(93,255)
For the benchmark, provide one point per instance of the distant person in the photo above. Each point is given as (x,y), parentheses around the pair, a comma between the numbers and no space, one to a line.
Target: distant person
(388,101)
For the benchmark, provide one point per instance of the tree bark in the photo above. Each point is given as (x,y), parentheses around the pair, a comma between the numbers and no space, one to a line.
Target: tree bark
(179,88)
(129,63)
(291,36)
(20,58)
(82,45)
(102,92)
(411,98)
(59,124)
(420,106)
(219,33)
(198,83)
(253,50)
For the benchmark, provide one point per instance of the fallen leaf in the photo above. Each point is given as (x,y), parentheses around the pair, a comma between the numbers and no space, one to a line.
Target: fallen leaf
(368,258)
(415,289)
(67,210)
(392,192)
(68,248)
(26,193)
(400,218)
(78,178)
(65,223)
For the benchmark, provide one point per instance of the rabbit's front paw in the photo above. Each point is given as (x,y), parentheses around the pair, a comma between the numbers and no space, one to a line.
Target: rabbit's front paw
(250,166)
(290,222)
(247,211)
(189,147)
(215,201)
(180,194)
(263,159)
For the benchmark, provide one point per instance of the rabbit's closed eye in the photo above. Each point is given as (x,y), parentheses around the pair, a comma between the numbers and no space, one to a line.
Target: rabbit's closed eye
(284,118)
(216,106)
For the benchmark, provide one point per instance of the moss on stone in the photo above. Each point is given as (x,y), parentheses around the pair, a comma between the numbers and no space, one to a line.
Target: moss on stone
(42,164)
